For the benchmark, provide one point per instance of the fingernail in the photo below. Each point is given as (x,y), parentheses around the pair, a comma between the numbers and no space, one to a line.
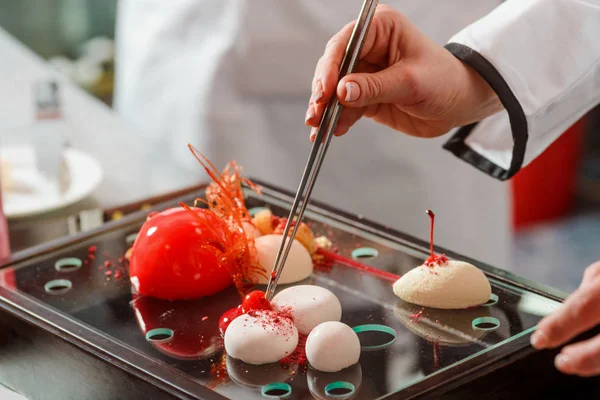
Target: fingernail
(310,113)
(562,361)
(352,91)
(539,340)
(318,91)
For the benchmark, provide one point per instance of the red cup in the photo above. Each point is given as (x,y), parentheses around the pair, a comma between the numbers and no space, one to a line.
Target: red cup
(544,190)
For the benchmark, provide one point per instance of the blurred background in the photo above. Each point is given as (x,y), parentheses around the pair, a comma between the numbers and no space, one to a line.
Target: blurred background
(119,164)
(555,220)
(75,36)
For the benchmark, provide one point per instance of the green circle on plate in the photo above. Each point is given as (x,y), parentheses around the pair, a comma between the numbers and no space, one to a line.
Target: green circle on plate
(68,264)
(277,390)
(478,322)
(364,252)
(159,332)
(347,387)
(58,286)
(376,328)
(493,300)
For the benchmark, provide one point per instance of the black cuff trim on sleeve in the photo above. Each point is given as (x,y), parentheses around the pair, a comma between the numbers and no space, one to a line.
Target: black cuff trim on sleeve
(516,116)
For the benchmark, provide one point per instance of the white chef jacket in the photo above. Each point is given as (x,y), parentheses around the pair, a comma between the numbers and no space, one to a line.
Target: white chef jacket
(233,77)
(542,58)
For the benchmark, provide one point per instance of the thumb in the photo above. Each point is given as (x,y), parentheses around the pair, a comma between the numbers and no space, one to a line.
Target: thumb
(392,85)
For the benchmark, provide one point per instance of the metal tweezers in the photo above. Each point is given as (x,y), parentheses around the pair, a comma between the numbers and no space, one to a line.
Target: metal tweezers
(321,143)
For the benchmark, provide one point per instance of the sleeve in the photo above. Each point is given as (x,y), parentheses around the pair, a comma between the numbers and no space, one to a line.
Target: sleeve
(542,58)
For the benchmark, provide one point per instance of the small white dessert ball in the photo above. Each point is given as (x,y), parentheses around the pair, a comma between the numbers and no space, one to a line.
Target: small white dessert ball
(309,305)
(332,346)
(298,265)
(261,337)
(451,285)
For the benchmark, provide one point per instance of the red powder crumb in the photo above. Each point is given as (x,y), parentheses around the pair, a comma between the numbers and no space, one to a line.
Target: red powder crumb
(92,249)
(204,318)
(298,357)
(91,256)
(107,263)
(416,317)
(108,273)
(436,260)
(118,275)
(280,322)
(273,275)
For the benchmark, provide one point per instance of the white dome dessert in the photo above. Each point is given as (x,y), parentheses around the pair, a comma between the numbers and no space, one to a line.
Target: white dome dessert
(450,285)
(332,346)
(261,337)
(309,305)
(298,265)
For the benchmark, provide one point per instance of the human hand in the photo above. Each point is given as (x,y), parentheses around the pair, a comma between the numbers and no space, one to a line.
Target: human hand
(403,80)
(579,313)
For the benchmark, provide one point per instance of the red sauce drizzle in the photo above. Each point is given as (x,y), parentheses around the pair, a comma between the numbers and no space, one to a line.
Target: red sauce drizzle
(431,227)
(433,259)
(436,358)
(355,264)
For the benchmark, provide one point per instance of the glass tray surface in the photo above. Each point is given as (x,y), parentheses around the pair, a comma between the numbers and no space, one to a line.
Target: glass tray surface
(430,347)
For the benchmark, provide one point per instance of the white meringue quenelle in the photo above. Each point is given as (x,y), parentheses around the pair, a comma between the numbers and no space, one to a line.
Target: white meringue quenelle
(309,305)
(448,285)
(332,346)
(298,265)
(261,337)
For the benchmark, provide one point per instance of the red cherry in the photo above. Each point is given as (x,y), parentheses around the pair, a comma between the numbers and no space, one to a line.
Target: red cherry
(178,255)
(255,300)
(229,316)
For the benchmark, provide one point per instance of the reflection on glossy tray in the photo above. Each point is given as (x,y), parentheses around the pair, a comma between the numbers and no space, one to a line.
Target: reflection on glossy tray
(183,335)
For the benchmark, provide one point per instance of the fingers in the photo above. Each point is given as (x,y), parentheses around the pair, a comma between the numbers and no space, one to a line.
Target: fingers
(345,122)
(347,119)
(397,84)
(316,109)
(580,312)
(326,75)
(592,272)
(581,359)
(328,66)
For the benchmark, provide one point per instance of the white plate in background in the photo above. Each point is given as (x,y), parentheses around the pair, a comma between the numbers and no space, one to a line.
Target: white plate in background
(29,193)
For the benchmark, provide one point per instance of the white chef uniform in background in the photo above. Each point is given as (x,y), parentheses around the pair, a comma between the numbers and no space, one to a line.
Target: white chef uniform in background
(543,60)
(233,77)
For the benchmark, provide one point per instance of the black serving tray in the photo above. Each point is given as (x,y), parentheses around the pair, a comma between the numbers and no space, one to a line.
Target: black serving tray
(89,340)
